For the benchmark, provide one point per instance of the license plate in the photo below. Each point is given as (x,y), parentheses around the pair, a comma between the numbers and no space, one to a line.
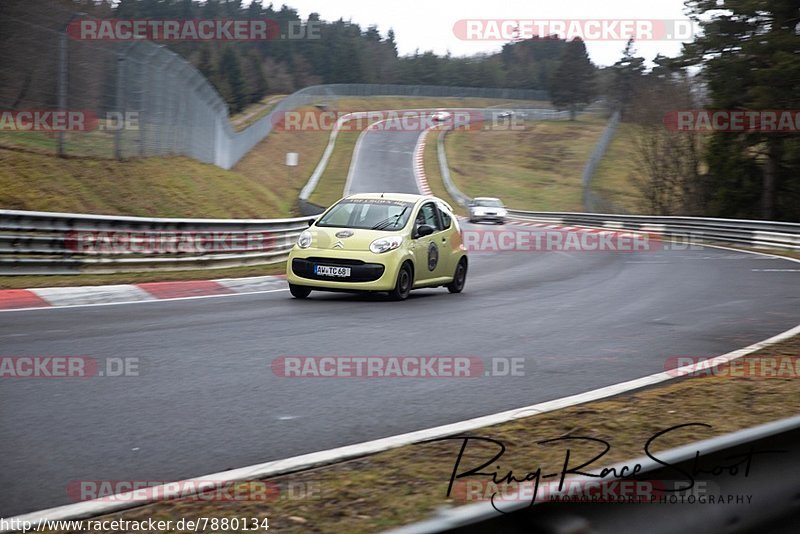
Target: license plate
(327,270)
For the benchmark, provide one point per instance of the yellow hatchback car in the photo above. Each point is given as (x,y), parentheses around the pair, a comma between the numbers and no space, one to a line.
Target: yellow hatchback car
(389,242)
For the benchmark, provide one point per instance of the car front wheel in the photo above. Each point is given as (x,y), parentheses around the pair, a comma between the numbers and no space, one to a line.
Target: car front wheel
(403,285)
(299,292)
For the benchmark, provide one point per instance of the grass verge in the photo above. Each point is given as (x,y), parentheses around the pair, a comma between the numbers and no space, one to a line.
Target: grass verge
(407,484)
(413,102)
(253,112)
(433,172)
(537,168)
(334,178)
(259,186)
(613,179)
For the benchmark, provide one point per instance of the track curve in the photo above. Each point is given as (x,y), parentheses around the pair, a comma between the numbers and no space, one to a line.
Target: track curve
(207,399)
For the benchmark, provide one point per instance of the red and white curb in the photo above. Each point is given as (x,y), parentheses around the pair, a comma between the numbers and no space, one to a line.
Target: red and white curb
(581,229)
(419,163)
(48,297)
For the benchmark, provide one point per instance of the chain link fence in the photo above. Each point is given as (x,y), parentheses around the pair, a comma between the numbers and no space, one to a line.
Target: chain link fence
(594,201)
(138,98)
(134,98)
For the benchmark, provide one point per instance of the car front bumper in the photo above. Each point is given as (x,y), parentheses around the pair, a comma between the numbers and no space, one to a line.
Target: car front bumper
(368,271)
(486,217)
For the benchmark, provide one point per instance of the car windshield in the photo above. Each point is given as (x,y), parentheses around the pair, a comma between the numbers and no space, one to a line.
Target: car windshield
(489,203)
(368,214)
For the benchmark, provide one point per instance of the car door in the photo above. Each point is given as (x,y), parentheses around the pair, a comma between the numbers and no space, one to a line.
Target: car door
(429,250)
(450,242)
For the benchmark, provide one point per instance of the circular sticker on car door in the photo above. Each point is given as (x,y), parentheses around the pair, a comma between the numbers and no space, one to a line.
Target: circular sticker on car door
(433,256)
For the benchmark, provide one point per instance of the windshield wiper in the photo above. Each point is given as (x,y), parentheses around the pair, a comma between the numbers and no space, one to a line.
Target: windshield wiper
(385,223)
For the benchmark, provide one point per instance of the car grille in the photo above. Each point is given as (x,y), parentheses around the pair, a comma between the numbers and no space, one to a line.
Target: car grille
(359,271)
(335,261)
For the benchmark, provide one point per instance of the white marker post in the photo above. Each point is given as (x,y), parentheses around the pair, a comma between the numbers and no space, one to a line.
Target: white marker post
(292,159)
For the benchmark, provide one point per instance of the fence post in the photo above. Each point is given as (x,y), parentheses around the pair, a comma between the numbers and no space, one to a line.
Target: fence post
(63,79)
(119,101)
(62,82)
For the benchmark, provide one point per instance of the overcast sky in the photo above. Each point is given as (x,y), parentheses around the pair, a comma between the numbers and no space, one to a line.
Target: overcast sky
(428,24)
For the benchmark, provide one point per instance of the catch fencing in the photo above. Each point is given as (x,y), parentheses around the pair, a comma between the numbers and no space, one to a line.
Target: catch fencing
(592,201)
(145,100)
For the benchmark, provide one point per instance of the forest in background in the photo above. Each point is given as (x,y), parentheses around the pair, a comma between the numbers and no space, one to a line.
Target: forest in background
(747,56)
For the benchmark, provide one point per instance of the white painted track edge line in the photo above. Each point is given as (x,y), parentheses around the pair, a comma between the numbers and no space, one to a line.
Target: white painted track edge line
(315,459)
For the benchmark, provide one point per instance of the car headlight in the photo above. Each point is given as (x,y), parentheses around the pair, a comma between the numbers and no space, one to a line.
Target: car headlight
(385,244)
(502,212)
(304,240)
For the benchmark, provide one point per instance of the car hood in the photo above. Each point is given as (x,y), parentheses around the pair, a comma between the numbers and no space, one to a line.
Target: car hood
(326,238)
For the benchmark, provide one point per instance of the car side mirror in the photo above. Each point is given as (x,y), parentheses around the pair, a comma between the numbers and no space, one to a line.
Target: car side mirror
(424,229)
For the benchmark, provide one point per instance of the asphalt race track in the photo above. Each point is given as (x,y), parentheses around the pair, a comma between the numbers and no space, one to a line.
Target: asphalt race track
(207,400)
(384,162)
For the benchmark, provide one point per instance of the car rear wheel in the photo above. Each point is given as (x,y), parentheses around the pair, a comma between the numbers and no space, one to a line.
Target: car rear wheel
(299,292)
(403,285)
(459,278)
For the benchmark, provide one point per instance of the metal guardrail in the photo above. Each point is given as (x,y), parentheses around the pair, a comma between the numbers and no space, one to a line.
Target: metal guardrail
(754,233)
(770,478)
(444,170)
(69,243)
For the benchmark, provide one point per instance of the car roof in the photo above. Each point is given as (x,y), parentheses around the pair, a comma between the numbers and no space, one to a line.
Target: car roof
(485,198)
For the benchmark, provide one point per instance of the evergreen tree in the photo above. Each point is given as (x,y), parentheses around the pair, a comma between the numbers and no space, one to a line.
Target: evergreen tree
(627,75)
(230,74)
(749,55)
(573,82)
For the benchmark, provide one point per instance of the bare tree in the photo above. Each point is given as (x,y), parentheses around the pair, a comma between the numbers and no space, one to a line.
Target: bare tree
(668,161)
